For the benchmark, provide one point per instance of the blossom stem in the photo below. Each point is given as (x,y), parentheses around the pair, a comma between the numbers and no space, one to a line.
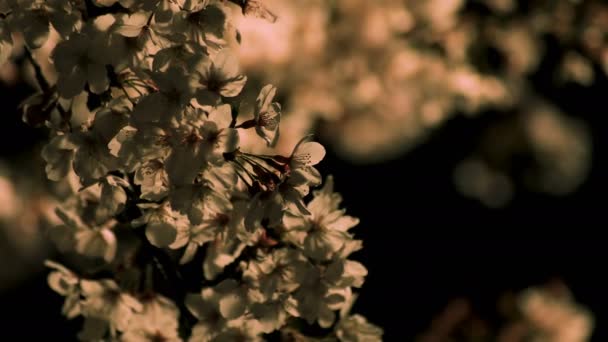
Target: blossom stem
(149,19)
(256,165)
(247,124)
(126,94)
(133,85)
(236,162)
(252,159)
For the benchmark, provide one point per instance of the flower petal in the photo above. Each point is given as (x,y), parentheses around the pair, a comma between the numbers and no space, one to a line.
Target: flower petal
(161,234)
(71,83)
(98,78)
(307,153)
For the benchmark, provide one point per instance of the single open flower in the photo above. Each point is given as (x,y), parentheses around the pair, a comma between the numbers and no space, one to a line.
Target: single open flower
(267,115)
(217,76)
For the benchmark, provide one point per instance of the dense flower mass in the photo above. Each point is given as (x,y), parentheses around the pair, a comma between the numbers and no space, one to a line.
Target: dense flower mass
(183,235)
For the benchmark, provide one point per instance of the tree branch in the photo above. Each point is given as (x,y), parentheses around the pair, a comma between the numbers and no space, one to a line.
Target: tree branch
(42,82)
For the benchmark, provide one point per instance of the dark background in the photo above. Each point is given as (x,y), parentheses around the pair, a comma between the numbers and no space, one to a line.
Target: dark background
(424,243)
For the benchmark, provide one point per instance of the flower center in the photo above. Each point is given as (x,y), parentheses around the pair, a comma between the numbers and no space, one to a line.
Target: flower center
(158,337)
(192,138)
(267,120)
(214,84)
(222,220)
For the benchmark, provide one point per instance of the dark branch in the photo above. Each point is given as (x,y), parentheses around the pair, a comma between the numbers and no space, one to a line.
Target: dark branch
(42,82)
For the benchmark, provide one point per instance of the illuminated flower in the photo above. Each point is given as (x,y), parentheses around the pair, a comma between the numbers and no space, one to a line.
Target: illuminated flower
(322,291)
(324,232)
(200,142)
(282,270)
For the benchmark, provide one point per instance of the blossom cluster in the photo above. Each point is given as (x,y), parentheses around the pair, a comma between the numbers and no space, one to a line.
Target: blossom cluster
(180,233)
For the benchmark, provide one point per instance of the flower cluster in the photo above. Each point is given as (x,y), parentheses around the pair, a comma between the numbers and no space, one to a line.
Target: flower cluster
(181,234)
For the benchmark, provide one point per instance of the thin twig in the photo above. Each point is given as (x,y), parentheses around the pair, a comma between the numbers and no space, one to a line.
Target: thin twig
(42,82)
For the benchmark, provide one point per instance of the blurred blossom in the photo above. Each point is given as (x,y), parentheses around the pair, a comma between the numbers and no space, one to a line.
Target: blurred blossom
(540,148)
(25,212)
(562,148)
(378,77)
(370,68)
(501,6)
(265,42)
(540,313)
(7,191)
(576,68)
(555,318)
(476,180)
(9,71)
